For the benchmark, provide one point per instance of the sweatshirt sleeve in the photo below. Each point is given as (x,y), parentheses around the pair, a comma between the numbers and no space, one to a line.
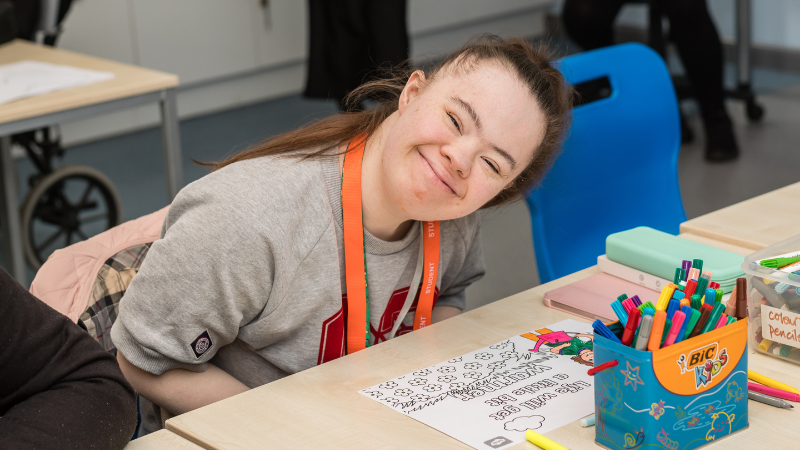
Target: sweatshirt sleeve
(472,269)
(210,274)
(59,388)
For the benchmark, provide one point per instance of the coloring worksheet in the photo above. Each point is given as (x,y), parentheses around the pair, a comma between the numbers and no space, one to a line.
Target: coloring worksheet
(488,398)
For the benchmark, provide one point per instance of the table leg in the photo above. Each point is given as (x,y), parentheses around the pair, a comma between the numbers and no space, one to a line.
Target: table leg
(171,140)
(9,214)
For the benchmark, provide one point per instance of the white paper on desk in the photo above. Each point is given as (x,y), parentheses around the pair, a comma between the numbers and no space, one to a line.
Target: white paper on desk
(488,398)
(28,78)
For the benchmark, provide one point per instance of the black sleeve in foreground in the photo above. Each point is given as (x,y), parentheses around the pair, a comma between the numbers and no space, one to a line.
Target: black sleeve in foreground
(59,388)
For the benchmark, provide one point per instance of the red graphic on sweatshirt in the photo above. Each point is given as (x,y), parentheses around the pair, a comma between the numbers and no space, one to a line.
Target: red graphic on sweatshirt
(332,341)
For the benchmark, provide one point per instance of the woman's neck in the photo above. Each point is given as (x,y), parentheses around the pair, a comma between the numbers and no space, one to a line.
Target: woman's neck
(382,216)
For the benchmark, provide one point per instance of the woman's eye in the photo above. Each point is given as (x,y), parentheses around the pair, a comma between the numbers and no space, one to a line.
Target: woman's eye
(455,122)
(496,170)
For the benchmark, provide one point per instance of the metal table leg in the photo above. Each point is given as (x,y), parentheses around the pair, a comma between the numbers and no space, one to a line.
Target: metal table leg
(9,214)
(171,138)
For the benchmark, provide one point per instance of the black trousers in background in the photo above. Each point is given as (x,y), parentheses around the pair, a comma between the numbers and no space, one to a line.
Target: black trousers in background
(590,24)
(349,39)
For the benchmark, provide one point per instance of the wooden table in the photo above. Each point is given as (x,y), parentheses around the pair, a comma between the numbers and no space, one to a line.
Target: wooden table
(321,408)
(130,86)
(161,440)
(755,223)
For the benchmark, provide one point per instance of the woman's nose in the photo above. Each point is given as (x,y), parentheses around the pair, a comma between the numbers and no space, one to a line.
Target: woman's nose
(458,157)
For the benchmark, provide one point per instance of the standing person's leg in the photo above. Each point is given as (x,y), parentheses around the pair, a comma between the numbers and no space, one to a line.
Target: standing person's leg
(388,32)
(697,40)
(590,23)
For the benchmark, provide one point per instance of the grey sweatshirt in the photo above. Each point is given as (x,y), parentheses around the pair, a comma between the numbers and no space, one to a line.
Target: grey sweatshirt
(249,274)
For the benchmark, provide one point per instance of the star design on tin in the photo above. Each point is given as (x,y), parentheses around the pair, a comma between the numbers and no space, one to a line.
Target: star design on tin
(632,376)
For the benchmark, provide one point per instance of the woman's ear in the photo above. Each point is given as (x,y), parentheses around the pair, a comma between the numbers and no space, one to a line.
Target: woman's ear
(413,88)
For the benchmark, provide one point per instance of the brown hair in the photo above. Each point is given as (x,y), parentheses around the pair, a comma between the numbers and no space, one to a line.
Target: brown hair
(580,360)
(532,66)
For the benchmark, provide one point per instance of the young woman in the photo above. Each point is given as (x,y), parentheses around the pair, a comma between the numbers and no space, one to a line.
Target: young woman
(261,269)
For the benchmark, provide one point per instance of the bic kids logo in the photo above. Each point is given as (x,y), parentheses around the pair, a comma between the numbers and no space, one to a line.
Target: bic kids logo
(704,362)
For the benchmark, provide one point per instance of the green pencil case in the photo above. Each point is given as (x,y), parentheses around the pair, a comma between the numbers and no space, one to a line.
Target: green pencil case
(659,253)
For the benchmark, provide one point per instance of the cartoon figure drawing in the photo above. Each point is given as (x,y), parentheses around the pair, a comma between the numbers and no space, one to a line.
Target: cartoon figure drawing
(665,441)
(709,409)
(632,376)
(682,363)
(693,421)
(735,392)
(579,346)
(632,441)
(718,424)
(657,409)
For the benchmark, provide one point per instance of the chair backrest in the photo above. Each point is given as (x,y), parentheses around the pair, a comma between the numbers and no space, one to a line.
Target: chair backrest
(619,165)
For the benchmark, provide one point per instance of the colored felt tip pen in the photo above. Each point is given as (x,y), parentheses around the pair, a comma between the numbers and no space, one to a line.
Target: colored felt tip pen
(644,332)
(601,329)
(706,274)
(657,331)
(673,306)
(667,327)
(701,322)
(663,299)
(711,296)
(677,324)
(678,276)
(622,297)
(723,320)
(730,310)
(627,304)
(766,381)
(774,263)
(619,310)
(630,328)
(780,393)
(687,313)
(636,300)
(702,284)
(648,311)
(693,319)
(587,421)
(731,320)
(686,266)
(719,294)
(741,298)
(691,285)
(696,301)
(541,441)
(678,295)
(697,264)
(694,274)
(713,318)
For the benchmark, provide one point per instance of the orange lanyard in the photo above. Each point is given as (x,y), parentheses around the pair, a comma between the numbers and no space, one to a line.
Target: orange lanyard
(354,256)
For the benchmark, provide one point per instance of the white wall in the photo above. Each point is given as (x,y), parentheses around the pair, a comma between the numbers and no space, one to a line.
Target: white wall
(229,53)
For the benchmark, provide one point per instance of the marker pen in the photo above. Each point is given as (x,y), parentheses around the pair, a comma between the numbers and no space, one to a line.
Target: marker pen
(677,324)
(687,313)
(657,331)
(723,320)
(693,319)
(672,306)
(701,322)
(630,328)
(713,318)
(741,298)
(644,332)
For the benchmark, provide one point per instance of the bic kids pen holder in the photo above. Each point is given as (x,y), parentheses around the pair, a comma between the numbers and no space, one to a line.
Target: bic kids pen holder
(680,397)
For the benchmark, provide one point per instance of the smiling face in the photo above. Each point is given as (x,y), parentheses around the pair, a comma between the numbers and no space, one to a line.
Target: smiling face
(457,141)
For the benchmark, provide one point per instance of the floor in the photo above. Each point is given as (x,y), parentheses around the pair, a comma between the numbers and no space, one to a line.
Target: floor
(769,160)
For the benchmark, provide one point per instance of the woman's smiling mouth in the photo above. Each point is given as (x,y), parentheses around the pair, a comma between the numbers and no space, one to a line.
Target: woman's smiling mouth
(435,178)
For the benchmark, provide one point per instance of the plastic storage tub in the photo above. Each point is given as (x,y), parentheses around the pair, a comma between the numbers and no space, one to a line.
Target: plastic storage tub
(773,301)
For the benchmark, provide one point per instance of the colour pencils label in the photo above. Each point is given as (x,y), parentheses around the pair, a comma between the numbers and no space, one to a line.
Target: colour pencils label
(780,326)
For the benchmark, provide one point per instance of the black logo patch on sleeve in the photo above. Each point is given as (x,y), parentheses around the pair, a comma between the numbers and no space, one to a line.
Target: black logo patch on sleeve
(201,344)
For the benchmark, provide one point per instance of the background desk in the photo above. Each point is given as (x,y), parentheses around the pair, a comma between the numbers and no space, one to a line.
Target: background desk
(755,223)
(321,408)
(131,86)
(161,440)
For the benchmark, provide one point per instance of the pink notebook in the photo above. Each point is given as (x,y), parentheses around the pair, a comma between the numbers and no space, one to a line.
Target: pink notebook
(591,297)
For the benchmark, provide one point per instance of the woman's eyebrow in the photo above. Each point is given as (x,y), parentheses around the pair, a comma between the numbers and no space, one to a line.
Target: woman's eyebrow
(471,111)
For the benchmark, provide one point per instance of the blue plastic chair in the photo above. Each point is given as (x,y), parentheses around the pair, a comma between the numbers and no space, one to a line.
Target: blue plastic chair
(619,165)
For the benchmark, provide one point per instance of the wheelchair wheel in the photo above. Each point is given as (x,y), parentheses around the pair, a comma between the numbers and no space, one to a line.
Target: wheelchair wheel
(69,205)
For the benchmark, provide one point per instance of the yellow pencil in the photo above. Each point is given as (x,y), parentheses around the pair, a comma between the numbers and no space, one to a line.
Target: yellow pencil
(766,381)
(537,439)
